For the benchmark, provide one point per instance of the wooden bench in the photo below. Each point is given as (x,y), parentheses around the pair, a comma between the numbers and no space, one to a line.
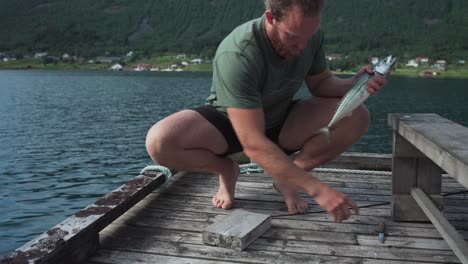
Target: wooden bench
(424,146)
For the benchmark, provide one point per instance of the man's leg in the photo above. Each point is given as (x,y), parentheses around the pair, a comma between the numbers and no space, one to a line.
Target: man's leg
(187,141)
(299,132)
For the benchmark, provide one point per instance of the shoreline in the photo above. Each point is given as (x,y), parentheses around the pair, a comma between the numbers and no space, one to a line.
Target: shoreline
(207,68)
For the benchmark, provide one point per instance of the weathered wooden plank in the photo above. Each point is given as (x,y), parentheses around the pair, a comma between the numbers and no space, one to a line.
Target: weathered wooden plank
(368,215)
(237,230)
(177,236)
(272,195)
(402,148)
(366,252)
(405,208)
(454,240)
(429,177)
(339,179)
(188,196)
(253,202)
(404,242)
(323,176)
(275,251)
(379,261)
(371,217)
(75,238)
(195,237)
(216,253)
(365,185)
(343,228)
(355,228)
(443,141)
(412,169)
(125,257)
(207,208)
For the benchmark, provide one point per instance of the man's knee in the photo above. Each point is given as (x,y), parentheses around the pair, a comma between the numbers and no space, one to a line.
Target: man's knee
(159,143)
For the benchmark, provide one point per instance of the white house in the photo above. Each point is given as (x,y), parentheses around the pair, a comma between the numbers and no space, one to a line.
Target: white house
(461,62)
(142,67)
(116,67)
(103,59)
(441,62)
(197,61)
(334,56)
(40,55)
(412,63)
(181,56)
(422,59)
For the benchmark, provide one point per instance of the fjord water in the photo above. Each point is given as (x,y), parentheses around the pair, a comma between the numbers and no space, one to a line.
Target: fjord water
(67,138)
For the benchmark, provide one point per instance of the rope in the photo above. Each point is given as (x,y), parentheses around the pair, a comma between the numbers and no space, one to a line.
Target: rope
(162,169)
(254,168)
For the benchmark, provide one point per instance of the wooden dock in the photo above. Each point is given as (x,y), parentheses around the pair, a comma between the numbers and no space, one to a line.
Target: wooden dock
(167,226)
(155,220)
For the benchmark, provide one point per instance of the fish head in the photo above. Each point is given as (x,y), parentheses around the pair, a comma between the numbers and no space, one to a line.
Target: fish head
(383,67)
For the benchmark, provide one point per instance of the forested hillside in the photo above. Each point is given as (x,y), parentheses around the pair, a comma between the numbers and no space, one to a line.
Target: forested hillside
(93,27)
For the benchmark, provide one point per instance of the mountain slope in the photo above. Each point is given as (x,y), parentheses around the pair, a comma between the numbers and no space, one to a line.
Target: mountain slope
(90,27)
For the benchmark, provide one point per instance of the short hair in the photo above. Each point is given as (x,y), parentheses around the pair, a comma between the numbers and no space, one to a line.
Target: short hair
(280,7)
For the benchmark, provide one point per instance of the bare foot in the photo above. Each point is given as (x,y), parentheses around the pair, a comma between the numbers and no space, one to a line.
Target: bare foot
(294,203)
(227,186)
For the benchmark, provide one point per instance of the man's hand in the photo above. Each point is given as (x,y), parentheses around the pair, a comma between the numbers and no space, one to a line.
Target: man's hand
(335,203)
(374,85)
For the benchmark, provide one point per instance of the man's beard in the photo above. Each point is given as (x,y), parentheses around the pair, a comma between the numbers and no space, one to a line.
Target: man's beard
(282,50)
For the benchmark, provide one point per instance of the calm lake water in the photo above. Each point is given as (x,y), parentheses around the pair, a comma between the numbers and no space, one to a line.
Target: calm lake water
(67,138)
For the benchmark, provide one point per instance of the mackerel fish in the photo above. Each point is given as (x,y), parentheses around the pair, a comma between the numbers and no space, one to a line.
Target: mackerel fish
(357,94)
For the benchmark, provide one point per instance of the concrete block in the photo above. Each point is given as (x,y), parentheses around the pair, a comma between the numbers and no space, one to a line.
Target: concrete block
(237,230)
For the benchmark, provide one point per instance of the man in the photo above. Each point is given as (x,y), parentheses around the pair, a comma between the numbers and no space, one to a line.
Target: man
(257,70)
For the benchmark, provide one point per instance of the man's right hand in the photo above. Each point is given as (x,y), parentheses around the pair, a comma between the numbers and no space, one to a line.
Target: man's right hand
(335,203)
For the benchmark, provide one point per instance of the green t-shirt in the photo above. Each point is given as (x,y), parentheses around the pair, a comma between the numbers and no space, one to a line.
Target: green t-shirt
(247,73)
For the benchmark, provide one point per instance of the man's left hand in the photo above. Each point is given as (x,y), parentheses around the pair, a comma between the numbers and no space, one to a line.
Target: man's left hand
(374,85)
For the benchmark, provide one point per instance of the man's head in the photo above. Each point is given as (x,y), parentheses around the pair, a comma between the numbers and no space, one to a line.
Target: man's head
(291,23)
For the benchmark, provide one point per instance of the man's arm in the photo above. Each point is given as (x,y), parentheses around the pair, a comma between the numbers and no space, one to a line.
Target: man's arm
(249,127)
(326,84)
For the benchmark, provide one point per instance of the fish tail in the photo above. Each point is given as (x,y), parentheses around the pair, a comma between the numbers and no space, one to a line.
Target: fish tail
(326,132)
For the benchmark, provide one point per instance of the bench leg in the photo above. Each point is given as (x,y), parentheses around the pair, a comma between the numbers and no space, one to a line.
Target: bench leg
(412,169)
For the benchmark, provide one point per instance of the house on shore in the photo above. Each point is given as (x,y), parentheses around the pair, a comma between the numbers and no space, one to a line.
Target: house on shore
(334,56)
(412,63)
(422,60)
(142,67)
(104,59)
(116,67)
(197,61)
(40,55)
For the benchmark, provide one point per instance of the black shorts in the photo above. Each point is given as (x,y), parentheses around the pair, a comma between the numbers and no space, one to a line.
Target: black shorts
(223,124)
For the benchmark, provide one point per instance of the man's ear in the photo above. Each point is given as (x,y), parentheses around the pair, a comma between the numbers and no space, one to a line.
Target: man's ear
(269,17)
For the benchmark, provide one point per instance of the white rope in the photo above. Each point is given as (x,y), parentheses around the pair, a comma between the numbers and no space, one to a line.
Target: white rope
(160,168)
(254,168)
